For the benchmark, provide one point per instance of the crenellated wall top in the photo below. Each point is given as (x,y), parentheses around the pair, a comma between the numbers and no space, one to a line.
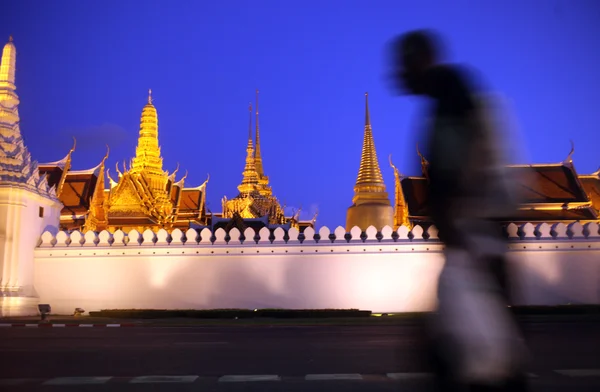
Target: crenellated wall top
(205,237)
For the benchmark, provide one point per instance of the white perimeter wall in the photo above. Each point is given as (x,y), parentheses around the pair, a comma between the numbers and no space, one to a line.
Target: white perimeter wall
(379,276)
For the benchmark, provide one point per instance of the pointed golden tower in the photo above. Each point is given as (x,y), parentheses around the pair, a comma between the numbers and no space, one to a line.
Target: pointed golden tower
(250,176)
(147,153)
(370,205)
(263,181)
(255,199)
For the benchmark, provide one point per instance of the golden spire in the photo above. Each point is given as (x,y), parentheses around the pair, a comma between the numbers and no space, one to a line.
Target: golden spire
(147,153)
(370,205)
(400,207)
(96,218)
(7,66)
(250,176)
(369,174)
(257,154)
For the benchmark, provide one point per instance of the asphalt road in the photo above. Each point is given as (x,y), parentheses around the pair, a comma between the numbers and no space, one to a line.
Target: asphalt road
(324,358)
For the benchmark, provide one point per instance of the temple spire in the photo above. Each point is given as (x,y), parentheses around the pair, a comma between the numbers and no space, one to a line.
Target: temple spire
(257,153)
(8,65)
(370,205)
(250,176)
(367,115)
(250,125)
(147,153)
(369,174)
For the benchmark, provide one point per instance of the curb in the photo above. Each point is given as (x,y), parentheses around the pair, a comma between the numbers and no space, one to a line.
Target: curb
(50,325)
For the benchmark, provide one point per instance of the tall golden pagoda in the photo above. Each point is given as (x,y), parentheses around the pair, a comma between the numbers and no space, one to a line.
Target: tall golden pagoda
(255,199)
(255,206)
(370,205)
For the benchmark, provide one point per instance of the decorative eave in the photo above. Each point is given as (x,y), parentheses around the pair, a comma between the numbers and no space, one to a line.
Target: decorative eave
(62,163)
(554,206)
(595,174)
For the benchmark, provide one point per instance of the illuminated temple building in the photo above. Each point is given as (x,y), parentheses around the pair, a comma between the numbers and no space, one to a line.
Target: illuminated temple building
(144,196)
(549,193)
(255,206)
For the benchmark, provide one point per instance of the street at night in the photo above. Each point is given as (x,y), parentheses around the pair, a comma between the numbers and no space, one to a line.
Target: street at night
(269,358)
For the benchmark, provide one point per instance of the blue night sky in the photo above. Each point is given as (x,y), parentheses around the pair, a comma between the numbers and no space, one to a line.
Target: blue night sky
(84,69)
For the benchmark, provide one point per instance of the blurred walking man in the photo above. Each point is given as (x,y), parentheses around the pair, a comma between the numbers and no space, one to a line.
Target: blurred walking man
(476,343)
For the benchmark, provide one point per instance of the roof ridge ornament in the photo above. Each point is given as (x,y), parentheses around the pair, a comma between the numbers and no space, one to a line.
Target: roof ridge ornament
(569,159)
(394,166)
(150,96)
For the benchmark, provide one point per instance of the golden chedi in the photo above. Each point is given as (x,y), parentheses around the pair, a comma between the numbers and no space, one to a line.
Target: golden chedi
(370,205)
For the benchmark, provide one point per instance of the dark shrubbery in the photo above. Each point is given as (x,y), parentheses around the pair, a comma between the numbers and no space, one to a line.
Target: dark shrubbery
(230,313)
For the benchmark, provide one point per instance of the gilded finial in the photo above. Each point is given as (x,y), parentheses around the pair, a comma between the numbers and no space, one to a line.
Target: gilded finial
(10,38)
(184,176)
(256,101)
(74,145)
(107,152)
(257,152)
(420,155)
(118,171)
(150,96)
(367,114)
(250,124)
(394,166)
(569,158)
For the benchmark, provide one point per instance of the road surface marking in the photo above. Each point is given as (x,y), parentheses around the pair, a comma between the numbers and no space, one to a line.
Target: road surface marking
(384,341)
(579,372)
(163,379)
(197,343)
(113,325)
(31,325)
(86,325)
(58,325)
(5,325)
(265,377)
(77,380)
(408,376)
(320,377)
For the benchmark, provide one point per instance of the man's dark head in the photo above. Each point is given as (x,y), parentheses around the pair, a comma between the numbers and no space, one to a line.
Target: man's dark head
(413,53)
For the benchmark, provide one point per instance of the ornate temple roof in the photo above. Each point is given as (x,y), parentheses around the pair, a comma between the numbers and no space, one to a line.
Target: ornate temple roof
(549,192)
